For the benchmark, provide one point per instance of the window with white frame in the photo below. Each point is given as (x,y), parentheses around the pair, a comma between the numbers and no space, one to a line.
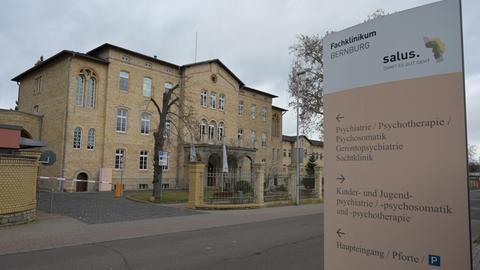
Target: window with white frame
(77,138)
(147,87)
(143,160)
(203,129)
(252,137)
(91,92)
(254,111)
(121,120)
(241,108)
(264,114)
(203,98)
(120,159)
(211,131)
(213,100)
(221,131)
(35,109)
(123,80)
(145,120)
(80,90)
(86,88)
(264,139)
(221,106)
(91,139)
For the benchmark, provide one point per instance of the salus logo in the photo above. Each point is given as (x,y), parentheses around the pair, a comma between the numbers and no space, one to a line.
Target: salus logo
(437,46)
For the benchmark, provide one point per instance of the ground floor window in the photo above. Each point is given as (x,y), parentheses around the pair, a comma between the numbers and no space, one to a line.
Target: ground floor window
(143,160)
(120,159)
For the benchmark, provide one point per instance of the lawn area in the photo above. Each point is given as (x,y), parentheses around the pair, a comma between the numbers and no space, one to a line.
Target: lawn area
(171,196)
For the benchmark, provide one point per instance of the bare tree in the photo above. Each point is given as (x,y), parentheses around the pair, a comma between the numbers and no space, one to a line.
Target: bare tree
(176,118)
(472,152)
(308,60)
(473,165)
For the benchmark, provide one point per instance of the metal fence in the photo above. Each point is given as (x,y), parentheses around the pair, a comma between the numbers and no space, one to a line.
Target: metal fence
(235,187)
(276,188)
(474,183)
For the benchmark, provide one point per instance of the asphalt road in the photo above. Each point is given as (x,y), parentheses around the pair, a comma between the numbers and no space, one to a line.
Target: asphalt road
(288,243)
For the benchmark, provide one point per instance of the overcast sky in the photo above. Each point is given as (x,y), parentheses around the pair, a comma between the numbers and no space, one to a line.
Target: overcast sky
(251,37)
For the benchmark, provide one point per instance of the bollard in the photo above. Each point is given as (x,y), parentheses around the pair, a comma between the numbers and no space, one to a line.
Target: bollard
(118,190)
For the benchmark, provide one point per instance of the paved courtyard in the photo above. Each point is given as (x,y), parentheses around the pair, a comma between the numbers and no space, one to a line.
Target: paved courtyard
(102,207)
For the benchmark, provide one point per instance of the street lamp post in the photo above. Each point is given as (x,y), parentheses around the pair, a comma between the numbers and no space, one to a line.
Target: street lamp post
(297,150)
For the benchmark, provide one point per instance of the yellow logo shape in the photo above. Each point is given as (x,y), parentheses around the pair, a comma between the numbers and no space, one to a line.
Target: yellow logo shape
(437,46)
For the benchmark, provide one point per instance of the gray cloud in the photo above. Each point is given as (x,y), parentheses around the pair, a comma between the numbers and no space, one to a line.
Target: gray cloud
(251,37)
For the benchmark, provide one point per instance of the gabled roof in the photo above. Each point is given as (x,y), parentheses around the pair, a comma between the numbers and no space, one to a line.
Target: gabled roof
(280,109)
(150,58)
(93,55)
(221,64)
(217,61)
(293,139)
(57,56)
(259,92)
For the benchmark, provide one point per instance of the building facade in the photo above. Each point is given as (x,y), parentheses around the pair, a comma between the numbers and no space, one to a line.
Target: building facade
(310,148)
(98,116)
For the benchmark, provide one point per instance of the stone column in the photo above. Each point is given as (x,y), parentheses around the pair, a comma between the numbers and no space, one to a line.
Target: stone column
(292,184)
(319,181)
(259,171)
(195,183)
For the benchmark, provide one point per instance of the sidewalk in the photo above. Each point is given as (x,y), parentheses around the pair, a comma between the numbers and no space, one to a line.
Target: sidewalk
(53,231)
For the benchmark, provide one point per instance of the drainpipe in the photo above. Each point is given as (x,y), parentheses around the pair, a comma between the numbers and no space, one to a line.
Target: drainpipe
(66,114)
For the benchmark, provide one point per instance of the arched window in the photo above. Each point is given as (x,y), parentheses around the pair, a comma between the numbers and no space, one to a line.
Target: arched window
(203,129)
(91,93)
(221,131)
(91,139)
(86,88)
(211,131)
(77,138)
(80,88)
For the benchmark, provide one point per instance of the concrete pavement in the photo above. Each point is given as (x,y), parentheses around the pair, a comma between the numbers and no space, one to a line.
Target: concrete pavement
(52,231)
(286,243)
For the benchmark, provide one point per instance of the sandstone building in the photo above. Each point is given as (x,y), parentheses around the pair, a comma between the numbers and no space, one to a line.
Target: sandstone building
(97,116)
(310,148)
